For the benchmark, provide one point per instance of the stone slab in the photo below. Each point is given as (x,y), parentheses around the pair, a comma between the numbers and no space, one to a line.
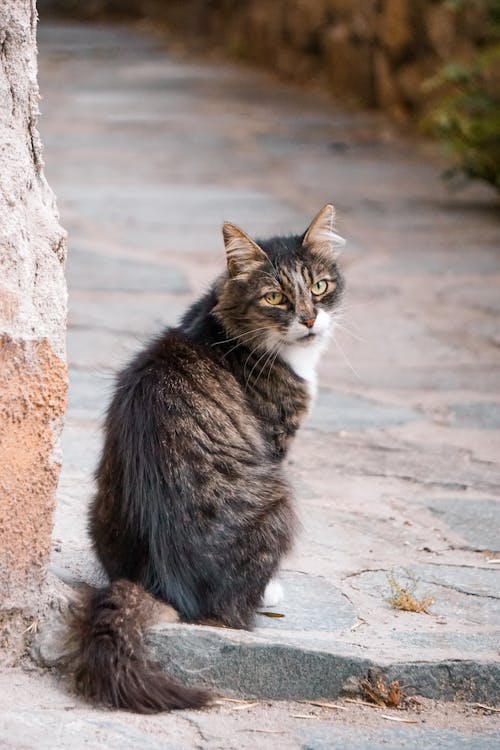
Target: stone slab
(483,415)
(338,411)
(310,604)
(242,664)
(394,738)
(89,394)
(40,730)
(477,520)
(99,272)
(43,713)
(102,349)
(141,313)
(462,595)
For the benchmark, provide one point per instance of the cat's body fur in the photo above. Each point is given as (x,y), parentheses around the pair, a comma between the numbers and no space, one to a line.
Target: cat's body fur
(192,504)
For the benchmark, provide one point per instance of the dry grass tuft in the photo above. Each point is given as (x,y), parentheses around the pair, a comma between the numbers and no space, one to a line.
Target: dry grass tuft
(403,597)
(376,691)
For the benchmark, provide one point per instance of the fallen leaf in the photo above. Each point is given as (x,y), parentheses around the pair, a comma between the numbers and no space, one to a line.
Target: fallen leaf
(271,614)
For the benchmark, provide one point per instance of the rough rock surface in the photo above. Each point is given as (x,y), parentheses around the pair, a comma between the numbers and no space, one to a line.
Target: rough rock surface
(32,334)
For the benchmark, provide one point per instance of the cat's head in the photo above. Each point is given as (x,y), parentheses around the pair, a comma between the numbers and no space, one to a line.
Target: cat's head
(282,291)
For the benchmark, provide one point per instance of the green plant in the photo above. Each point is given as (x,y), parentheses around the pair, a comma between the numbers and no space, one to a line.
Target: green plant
(466,115)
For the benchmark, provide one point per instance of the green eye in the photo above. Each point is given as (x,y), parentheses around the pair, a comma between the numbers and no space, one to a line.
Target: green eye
(319,287)
(275,298)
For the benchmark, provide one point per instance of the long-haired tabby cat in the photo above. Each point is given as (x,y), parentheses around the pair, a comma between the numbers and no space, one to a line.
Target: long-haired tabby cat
(192,507)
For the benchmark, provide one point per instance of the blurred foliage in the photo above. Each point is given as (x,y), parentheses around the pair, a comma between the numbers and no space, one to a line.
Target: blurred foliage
(466,111)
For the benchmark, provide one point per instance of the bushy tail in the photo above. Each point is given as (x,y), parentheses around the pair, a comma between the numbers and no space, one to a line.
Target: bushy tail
(108,657)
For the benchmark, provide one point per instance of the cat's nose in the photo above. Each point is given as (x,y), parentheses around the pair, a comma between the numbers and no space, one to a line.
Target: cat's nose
(308,322)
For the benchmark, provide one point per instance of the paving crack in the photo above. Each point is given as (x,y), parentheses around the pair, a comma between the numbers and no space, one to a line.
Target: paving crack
(458,589)
(203,739)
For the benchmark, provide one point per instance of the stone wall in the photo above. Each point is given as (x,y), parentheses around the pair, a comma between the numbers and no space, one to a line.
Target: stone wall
(32,335)
(368,52)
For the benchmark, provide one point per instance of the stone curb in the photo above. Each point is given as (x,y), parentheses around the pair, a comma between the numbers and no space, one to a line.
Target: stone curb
(238,664)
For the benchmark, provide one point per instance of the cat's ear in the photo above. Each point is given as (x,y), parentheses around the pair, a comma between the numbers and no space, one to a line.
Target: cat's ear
(321,235)
(242,253)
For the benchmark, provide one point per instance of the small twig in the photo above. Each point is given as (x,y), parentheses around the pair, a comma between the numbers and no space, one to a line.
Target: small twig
(484,707)
(266,731)
(362,703)
(305,716)
(33,628)
(247,705)
(400,719)
(322,704)
(358,624)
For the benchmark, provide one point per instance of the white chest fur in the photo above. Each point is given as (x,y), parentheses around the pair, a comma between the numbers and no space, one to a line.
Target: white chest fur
(303,359)
(303,356)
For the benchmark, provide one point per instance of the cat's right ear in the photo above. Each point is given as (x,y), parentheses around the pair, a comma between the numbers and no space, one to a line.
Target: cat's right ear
(321,235)
(242,253)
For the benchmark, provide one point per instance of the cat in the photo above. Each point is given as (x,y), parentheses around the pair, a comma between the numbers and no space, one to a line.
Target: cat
(192,507)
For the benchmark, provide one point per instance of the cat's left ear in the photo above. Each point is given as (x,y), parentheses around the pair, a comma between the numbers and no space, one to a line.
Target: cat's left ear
(242,253)
(321,235)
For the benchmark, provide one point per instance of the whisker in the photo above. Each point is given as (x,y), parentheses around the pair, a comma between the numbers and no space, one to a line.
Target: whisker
(346,358)
(239,336)
(266,351)
(347,330)
(348,306)
(251,353)
(242,343)
(278,347)
(339,313)
(271,353)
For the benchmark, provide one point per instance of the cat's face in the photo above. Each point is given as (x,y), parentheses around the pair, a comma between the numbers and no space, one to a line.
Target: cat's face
(283,291)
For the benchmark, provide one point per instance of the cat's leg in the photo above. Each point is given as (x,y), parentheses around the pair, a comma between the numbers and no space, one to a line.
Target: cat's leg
(235,607)
(237,591)
(246,578)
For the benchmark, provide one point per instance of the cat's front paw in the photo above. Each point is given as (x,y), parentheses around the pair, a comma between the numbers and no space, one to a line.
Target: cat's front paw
(273,594)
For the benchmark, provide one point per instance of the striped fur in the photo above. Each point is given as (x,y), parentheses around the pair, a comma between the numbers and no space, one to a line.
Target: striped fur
(192,505)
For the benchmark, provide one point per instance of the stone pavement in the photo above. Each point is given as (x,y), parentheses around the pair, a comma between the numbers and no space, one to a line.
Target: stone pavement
(397,472)
(39,714)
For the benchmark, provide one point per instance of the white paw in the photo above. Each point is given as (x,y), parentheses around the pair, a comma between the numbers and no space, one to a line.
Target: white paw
(273,594)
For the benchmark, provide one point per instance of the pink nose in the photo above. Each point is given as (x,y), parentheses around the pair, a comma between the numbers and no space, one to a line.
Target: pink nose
(309,322)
